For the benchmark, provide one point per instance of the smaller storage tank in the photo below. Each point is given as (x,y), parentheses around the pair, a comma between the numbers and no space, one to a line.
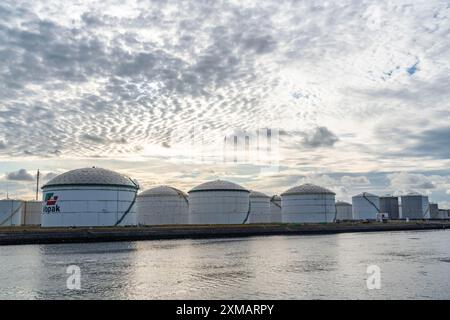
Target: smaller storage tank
(219,202)
(444,214)
(259,208)
(343,211)
(434,211)
(415,206)
(308,203)
(275,209)
(366,206)
(11,212)
(32,213)
(162,205)
(390,205)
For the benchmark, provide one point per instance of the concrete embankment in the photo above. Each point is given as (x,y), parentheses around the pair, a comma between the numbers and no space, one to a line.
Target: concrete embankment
(37,235)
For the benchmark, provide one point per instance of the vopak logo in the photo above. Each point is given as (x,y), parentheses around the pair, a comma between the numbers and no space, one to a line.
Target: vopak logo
(50,203)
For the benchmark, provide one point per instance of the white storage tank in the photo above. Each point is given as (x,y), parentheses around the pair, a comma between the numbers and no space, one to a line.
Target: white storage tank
(162,205)
(444,214)
(415,206)
(366,206)
(344,211)
(219,202)
(308,203)
(89,197)
(275,209)
(11,213)
(259,208)
(434,211)
(32,213)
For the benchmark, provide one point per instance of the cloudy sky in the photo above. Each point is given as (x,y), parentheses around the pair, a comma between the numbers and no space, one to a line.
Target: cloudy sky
(351,95)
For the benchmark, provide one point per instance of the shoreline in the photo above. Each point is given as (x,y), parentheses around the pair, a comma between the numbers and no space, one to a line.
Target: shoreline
(38,235)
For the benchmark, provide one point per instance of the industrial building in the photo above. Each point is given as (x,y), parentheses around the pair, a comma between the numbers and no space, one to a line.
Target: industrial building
(344,211)
(11,212)
(390,205)
(366,206)
(89,197)
(415,206)
(162,205)
(32,211)
(259,208)
(308,203)
(219,202)
(275,209)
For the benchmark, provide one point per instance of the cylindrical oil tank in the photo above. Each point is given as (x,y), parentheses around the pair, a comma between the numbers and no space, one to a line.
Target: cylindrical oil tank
(308,203)
(434,211)
(32,213)
(11,212)
(390,205)
(415,206)
(259,208)
(343,211)
(162,205)
(275,209)
(444,214)
(366,206)
(219,202)
(89,197)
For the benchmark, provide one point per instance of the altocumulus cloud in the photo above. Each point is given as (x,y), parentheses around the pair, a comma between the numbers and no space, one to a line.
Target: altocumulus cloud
(90,80)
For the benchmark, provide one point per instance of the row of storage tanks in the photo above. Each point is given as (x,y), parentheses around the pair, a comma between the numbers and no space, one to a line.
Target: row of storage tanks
(100,197)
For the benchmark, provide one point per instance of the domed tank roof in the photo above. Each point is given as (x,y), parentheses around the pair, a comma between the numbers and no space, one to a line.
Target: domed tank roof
(162,191)
(218,185)
(343,204)
(91,176)
(365,194)
(307,189)
(257,194)
(413,194)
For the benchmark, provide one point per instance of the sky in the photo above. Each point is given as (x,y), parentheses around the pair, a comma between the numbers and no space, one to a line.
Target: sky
(350,95)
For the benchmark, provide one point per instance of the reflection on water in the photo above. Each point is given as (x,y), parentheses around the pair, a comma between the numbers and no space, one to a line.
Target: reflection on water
(413,265)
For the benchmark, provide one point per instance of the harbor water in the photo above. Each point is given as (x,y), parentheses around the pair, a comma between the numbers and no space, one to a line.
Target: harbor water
(412,265)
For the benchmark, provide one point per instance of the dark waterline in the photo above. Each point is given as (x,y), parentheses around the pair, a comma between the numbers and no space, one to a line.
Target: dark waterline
(414,265)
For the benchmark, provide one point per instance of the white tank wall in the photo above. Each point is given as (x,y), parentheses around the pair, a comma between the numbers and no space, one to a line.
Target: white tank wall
(415,207)
(162,209)
(363,209)
(32,213)
(344,212)
(11,213)
(89,206)
(260,210)
(309,208)
(275,211)
(218,207)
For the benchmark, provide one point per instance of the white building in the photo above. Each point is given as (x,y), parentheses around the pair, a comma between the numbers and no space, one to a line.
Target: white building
(219,202)
(162,205)
(259,208)
(366,206)
(89,197)
(308,203)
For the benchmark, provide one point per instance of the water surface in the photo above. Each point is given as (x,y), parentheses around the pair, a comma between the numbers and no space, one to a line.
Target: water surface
(414,265)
